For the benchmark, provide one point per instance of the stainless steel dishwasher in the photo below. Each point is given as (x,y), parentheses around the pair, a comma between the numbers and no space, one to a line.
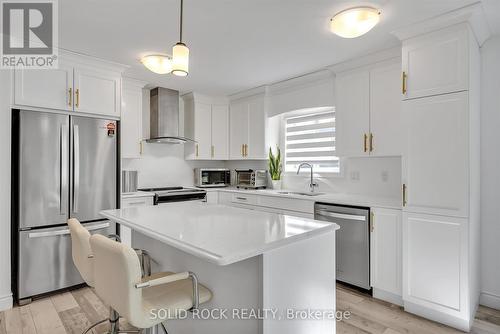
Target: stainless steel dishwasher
(352,241)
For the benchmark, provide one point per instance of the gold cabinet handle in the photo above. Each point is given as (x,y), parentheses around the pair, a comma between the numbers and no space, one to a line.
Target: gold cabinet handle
(365,138)
(242,150)
(371,142)
(372,219)
(77,92)
(70,99)
(246,150)
(403,84)
(140,147)
(213,151)
(196,150)
(404,195)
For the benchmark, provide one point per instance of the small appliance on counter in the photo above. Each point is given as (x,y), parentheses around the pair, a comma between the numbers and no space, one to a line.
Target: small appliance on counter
(129,181)
(251,179)
(212,177)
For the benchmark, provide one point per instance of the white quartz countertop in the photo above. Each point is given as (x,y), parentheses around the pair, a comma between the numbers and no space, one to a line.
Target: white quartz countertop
(137,194)
(330,198)
(217,233)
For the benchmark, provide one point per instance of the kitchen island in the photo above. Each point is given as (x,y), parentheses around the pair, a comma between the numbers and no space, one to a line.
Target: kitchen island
(269,273)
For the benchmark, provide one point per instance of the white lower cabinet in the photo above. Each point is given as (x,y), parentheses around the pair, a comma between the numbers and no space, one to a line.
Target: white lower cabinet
(128,202)
(435,263)
(385,255)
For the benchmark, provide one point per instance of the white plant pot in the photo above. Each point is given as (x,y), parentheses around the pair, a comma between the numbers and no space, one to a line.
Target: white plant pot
(276,184)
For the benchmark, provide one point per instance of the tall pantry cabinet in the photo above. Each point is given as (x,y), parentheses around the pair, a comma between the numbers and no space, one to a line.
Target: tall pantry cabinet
(440,190)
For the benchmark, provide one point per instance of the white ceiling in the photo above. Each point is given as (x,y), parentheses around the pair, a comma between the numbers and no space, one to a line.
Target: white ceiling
(236,44)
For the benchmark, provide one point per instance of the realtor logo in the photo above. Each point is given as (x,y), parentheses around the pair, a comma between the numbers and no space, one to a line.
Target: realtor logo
(29,34)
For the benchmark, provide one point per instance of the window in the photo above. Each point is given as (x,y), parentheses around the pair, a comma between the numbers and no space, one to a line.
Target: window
(311,138)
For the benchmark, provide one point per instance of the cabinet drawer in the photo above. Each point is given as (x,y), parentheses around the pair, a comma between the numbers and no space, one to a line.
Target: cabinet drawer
(140,201)
(291,204)
(244,199)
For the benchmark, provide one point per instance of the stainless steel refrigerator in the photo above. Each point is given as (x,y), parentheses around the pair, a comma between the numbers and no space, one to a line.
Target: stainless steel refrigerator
(63,166)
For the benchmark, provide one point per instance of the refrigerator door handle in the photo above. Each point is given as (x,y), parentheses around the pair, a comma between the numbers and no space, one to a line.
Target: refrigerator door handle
(65,231)
(63,169)
(76,167)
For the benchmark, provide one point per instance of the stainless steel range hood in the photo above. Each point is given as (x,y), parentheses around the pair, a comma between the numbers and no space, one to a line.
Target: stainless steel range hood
(164,122)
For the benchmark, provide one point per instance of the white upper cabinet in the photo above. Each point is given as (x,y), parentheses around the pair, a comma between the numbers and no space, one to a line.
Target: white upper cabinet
(248,128)
(131,118)
(435,168)
(386,254)
(368,111)
(80,84)
(220,132)
(238,130)
(206,121)
(352,114)
(51,89)
(97,92)
(435,63)
(386,129)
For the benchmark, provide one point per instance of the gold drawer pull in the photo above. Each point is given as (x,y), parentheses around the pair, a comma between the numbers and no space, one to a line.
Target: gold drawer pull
(404,77)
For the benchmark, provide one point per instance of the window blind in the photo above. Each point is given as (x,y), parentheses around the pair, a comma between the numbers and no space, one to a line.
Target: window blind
(311,138)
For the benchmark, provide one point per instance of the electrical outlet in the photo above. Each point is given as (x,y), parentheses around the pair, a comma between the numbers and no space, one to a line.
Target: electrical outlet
(355,176)
(385,176)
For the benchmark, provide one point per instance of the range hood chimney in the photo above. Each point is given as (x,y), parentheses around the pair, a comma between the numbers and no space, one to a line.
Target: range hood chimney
(164,122)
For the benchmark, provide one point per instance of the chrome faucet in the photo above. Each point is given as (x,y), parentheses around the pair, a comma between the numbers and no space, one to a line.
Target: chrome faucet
(312,184)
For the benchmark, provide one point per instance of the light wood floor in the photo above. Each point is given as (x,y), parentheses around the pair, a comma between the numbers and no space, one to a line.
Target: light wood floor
(72,312)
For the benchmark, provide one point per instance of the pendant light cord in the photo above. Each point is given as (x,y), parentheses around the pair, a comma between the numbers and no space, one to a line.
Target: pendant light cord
(180,37)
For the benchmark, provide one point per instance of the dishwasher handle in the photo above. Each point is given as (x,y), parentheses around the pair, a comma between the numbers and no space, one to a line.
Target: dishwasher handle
(346,216)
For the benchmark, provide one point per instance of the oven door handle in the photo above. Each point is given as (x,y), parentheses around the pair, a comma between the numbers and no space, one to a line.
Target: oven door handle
(346,216)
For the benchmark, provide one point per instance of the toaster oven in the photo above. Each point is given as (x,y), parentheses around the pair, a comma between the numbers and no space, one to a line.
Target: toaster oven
(251,179)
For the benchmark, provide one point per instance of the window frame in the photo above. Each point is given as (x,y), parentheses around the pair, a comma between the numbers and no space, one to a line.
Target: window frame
(282,143)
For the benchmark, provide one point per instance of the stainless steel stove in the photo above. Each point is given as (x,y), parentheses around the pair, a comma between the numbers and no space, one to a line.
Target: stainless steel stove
(176,194)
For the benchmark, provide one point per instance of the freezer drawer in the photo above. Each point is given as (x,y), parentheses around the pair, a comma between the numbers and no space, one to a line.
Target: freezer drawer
(45,262)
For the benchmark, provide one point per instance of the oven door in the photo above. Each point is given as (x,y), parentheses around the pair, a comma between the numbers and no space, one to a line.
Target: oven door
(245,179)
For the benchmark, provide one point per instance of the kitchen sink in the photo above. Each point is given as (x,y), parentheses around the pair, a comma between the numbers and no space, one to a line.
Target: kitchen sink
(299,193)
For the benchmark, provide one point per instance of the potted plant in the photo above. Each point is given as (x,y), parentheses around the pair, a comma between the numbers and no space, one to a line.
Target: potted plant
(275,168)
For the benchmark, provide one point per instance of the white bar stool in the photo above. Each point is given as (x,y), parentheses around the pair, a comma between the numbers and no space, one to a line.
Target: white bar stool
(118,281)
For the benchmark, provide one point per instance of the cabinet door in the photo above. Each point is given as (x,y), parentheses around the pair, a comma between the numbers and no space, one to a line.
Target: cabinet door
(257,130)
(436,63)
(434,261)
(131,123)
(220,132)
(202,130)
(386,250)
(352,115)
(238,129)
(45,88)
(435,162)
(385,111)
(97,92)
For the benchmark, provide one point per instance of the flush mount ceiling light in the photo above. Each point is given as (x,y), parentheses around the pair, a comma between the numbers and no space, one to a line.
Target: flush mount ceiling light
(160,64)
(354,22)
(180,53)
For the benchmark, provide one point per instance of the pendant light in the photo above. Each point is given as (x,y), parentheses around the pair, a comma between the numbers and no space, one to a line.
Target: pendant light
(354,22)
(180,53)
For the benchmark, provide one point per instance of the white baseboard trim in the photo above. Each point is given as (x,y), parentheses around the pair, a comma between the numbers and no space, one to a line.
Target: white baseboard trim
(490,300)
(387,296)
(446,319)
(6,302)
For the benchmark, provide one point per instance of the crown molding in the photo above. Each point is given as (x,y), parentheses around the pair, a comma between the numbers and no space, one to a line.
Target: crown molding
(472,14)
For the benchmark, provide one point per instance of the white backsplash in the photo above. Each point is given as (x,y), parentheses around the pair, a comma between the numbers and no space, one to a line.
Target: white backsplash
(164,165)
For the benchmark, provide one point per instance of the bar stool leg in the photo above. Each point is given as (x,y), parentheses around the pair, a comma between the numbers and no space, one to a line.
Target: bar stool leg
(114,321)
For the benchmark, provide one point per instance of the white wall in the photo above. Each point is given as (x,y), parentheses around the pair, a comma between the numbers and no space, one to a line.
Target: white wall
(490,172)
(5,148)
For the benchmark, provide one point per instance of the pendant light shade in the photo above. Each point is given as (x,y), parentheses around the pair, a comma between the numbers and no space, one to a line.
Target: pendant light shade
(160,64)
(354,22)
(180,52)
(180,59)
